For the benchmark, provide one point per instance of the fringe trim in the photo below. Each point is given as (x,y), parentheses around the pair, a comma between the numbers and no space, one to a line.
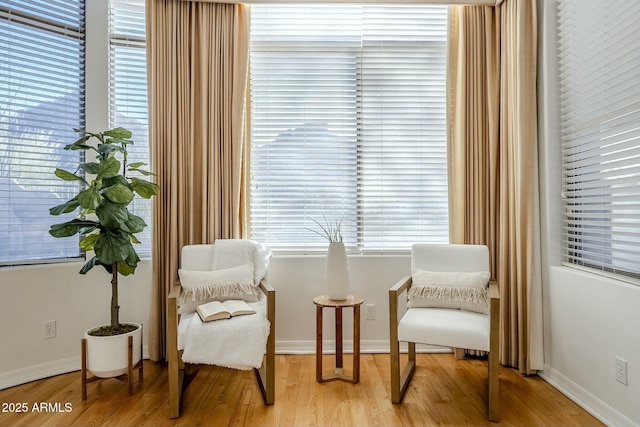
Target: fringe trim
(473,299)
(228,291)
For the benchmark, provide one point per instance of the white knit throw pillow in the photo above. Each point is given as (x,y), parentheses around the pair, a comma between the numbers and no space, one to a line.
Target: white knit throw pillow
(199,287)
(454,290)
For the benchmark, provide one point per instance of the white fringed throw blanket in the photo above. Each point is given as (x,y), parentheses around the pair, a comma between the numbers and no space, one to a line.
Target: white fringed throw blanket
(238,342)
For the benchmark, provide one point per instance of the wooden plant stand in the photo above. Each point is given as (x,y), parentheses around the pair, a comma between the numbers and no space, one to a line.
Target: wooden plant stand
(128,376)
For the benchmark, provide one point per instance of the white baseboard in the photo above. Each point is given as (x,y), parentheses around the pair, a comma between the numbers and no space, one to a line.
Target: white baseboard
(45,370)
(590,403)
(38,372)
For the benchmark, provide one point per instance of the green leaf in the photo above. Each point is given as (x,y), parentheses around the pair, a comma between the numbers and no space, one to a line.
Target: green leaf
(134,239)
(105,149)
(89,265)
(77,146)
(70,228)
(113,246)
(125,269)
(91,168)
(145,173)
(88,229)
(135,167)
(90,198)
(80,143)
(112,215)
(68,176)
(109,167)
(66,207)
(144,188)
(135,223)
(118,133)
(88,242)
(118,194)
(118,179)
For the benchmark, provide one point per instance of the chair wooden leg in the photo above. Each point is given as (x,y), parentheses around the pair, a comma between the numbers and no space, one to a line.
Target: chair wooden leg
(400,379)
(494,383)
(175,365)
(267,372)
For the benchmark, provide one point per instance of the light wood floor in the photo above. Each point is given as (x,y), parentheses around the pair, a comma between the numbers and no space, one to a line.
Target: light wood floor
(443,392)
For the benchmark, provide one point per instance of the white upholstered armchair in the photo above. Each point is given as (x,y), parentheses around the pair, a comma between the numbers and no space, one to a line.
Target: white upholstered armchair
(452,303)
(227,269)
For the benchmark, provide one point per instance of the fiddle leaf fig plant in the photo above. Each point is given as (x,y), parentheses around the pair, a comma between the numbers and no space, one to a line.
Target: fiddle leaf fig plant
(105,224)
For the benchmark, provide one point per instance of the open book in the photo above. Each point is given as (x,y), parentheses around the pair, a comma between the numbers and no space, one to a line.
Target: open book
(216,310)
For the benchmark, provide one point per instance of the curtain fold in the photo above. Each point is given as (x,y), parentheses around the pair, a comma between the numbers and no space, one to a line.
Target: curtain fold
(492,143)
(197,67)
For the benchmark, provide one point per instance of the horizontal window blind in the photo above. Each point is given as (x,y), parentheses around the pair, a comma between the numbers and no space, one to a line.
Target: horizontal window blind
(348,124)
(42,98)
(128,107)
(599,57)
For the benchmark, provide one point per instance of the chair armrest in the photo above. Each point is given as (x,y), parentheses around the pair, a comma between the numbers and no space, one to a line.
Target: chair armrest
(494,291)
(494,317)
(394,293)
(176,289)
(270,293)
(401,286)
(266,287)
(172,324)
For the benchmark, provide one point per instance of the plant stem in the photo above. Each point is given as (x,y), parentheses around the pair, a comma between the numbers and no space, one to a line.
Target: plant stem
(115,308)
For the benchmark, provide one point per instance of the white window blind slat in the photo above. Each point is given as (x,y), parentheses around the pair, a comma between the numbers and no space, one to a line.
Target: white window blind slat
(42,96)
(348,121)
(600,109)
(128,107)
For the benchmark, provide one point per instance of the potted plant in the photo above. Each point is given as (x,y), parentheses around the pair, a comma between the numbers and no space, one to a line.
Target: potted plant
(337,264)
(108,229)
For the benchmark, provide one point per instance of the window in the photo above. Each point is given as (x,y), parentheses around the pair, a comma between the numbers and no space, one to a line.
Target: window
(348,121)
(42,99)
(599,48)
(128,92)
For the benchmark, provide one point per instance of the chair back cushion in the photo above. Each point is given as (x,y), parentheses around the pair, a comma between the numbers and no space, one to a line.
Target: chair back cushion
(447,257)
(227,269)
(449,276)
(196,257)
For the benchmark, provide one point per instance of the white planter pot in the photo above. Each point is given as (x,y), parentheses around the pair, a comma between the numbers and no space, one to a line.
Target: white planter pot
(337,272)
(107,357)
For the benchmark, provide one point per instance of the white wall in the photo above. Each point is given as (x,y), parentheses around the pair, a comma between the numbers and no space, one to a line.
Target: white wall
(298,279)
(32,295)
(589,319)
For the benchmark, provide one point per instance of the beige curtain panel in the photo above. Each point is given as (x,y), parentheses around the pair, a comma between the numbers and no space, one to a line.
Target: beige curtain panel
(492,146)
(197,55)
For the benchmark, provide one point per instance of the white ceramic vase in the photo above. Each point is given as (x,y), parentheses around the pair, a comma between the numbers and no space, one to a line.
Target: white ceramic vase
(107,357)
(337,272)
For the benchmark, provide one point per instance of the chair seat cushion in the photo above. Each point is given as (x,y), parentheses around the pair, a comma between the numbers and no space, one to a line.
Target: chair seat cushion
(238,342)
(445,327)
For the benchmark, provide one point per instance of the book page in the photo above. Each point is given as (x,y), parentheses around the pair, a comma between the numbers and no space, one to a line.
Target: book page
(238,307)
(213,310)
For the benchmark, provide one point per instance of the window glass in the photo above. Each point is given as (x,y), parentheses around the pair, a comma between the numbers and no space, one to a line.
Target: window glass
(348,124)
(42,99)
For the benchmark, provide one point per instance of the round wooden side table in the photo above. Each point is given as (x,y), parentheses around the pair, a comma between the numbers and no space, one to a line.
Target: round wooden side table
(321,302)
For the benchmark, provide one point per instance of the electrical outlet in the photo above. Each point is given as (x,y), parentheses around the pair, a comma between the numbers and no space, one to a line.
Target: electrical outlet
(370,311)
(49,329)
(621,371)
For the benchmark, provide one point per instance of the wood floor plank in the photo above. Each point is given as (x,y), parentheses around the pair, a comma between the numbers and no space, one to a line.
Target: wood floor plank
(443,392)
